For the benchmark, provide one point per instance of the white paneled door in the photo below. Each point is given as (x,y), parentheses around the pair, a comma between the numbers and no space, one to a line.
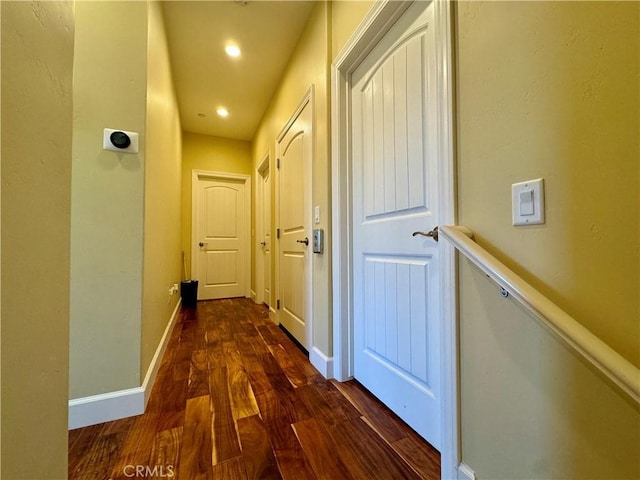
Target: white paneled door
(395,282)
(221,223)
(265,178)
(294,150)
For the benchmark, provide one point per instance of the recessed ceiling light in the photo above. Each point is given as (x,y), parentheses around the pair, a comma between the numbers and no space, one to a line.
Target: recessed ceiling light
(232,50)
(223,112)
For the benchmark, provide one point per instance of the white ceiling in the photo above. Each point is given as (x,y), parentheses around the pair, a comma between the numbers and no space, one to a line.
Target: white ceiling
(206,77)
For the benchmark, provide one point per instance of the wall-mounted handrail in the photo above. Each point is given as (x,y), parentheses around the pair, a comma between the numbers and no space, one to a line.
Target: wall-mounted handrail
(617,369)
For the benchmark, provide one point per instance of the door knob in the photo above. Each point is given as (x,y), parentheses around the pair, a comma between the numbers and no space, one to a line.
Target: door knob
(201,244)
(263,244)
(433,234)
(305,241)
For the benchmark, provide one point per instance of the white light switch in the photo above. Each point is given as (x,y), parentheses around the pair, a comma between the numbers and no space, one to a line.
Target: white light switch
(528,202)
(316,214)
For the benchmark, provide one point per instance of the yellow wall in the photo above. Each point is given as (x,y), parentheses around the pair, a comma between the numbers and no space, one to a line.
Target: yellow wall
(107,198)
(543,89)
(162,211)
(0,268)
(327,30)
(203,152)
(37,61)
(531,409)
(309,65)
(345,17)
(549,90)
(125,207)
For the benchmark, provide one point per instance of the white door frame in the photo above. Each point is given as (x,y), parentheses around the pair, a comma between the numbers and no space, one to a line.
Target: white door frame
(307,99)
(196,175)
(261,229)
(375,25)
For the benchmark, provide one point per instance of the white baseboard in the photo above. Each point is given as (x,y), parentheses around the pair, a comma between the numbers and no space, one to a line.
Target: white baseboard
(156,361)
(323,363)
(105,407)
(465,472)
(253,295)
(109,406)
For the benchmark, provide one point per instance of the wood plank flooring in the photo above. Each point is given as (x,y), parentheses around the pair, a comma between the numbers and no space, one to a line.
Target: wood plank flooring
(235,398)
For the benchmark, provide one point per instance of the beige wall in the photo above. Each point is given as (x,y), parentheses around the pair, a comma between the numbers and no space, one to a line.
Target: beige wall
(543,89)
(327,30)
(163,170)
(107,198)
(345,17)
(549,90)
(37,61)
(531,409)
(0,260)
(203,152)
(309,65)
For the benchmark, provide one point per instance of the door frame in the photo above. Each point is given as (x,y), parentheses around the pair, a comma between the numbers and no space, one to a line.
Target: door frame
(261,228)
(380,19)
(196,175)
(307,99)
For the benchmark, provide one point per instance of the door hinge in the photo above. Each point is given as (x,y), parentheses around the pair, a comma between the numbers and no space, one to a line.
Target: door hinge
(277,304)
(277,233)
(277,163)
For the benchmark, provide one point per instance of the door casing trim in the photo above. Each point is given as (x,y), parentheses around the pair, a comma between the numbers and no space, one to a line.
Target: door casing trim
(375,25)
(196,175)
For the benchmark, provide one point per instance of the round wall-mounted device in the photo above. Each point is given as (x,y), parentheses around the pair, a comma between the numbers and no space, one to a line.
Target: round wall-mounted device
(120,139)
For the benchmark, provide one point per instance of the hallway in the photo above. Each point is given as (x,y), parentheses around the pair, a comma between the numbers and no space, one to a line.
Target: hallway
(236,399)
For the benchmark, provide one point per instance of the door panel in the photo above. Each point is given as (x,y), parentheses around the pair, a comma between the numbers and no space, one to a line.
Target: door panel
(266,249)
(396,334)
(222,268)
(221,228)
(220,213)
(294,153)
(396,297)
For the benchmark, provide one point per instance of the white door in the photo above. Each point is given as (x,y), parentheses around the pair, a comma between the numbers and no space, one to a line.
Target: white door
(395,282)
(266,241)
(221,249)
(294,150)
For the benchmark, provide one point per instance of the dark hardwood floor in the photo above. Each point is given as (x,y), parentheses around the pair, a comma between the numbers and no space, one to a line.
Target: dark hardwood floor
(236,399)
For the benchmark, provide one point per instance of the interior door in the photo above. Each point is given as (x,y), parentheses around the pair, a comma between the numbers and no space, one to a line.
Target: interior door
(295,149)
(221,237)
(266,242)
(395,282)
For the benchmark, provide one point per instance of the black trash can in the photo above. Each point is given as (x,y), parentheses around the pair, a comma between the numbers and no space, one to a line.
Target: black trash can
(189,293)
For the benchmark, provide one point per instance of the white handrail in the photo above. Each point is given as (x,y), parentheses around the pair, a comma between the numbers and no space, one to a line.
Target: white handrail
(617,369)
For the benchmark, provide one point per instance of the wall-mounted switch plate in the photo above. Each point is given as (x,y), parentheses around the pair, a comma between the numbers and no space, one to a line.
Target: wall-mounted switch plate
(120,141)
(316,214)
(527,202)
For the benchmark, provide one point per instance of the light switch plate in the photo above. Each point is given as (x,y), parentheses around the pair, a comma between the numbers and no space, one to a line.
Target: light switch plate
(527,202)
(316,214)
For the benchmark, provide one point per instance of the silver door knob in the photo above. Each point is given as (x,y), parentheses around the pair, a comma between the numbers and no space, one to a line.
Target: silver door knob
(432,234)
